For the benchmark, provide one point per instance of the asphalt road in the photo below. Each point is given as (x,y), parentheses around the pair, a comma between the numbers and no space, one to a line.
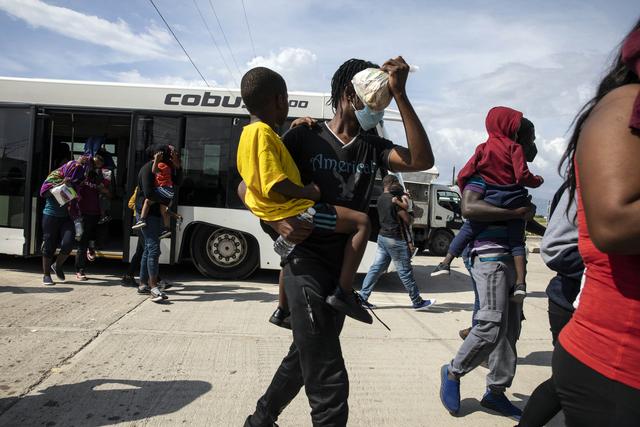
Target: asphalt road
(96,353)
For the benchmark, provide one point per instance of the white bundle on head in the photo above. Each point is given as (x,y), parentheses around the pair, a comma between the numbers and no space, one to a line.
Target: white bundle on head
(372,87)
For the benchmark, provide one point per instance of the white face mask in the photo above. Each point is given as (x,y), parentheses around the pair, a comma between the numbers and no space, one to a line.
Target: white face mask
(367,118)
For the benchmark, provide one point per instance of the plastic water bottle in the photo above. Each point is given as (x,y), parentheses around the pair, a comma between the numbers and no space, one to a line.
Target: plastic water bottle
(78,228)
(282,246)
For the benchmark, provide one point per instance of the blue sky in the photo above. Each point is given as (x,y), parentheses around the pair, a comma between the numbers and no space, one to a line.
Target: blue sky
(542,57)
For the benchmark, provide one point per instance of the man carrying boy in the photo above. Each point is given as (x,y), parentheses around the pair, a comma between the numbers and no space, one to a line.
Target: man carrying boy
(392,246)
(342,161)
(497,329)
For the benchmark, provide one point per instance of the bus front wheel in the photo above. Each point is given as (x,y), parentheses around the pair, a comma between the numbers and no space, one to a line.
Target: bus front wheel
(439,242)
(222,253)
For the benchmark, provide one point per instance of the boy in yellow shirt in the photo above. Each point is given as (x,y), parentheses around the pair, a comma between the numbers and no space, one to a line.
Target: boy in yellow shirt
(275,190)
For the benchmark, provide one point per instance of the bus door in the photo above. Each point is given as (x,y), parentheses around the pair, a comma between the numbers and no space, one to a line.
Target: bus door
(61,136)
(148,130)
(16,129)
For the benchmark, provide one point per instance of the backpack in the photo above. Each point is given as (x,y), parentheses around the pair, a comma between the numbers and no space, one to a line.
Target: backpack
(132,201)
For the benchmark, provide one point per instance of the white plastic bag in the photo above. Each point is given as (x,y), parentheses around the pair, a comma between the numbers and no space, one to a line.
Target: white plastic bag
(63,194)
(372,87)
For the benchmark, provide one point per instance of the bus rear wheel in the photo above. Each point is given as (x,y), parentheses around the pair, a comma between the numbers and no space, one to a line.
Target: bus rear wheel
(439,242)
(223,253)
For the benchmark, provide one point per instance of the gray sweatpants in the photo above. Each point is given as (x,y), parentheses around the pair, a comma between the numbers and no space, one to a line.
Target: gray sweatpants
(498,328)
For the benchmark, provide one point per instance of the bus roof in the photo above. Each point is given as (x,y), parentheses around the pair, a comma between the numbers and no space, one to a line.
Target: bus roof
(128,96)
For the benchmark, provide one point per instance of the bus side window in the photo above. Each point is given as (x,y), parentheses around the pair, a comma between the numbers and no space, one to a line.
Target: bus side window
(205,162)
(15,126)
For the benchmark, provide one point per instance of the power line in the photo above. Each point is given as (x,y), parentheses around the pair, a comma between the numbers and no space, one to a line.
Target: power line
(176,37)
(246,20)
(204,21)
(225,37)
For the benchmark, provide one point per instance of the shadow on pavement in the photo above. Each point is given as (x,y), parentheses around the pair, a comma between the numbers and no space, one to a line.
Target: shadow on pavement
(102,402)
(43,290)
(390,282)
(447,307)
(536,358)
(218,292)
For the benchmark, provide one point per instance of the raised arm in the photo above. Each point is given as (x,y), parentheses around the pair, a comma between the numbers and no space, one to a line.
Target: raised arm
(418,156)
(177,167)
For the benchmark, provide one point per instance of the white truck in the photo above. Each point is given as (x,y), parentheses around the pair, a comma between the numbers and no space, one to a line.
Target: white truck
(436,207)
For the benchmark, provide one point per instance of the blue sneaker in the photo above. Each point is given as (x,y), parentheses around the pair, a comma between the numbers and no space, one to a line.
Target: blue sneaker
(47,281)
(423,304)
(449,391)
(498,402)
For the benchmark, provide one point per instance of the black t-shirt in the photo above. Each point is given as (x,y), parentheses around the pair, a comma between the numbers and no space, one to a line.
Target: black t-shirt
(345,174)
(388,216)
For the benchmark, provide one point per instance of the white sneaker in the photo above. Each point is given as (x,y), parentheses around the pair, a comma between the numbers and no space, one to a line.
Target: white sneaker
(165,284)
(157,295)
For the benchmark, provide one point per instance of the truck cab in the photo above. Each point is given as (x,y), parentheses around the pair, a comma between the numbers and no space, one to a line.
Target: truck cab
(436,209)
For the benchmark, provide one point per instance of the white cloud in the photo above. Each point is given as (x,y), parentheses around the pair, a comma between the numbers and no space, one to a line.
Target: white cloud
(298,67)
(134,76)
(154,42)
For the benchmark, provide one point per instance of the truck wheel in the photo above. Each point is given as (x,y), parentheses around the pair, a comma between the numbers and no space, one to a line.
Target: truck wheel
(439,243)
(222,253)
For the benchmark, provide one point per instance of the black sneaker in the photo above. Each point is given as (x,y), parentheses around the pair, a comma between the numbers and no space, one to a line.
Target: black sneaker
(165,234)
(349,304)
(281,318)
(423,304)
(128,281)
(441,269)
(47,280)
(138,225)
(58,272)
(144,289)
(519,293)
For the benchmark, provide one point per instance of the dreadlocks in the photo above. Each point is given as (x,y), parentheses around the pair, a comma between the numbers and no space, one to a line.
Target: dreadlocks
(342,78)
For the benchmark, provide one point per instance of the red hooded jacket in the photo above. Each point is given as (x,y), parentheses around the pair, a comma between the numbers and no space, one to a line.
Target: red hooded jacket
(500,160)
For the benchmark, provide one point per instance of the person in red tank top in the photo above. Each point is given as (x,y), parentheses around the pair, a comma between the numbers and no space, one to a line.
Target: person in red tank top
(596,363)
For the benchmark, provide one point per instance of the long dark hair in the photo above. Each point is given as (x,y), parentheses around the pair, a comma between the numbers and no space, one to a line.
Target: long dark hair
(618,75)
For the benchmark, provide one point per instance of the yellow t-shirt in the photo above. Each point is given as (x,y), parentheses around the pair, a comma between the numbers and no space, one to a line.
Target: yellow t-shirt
(263,161)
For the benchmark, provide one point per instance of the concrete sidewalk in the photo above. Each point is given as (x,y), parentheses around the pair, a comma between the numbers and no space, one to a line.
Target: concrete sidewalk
(96,353)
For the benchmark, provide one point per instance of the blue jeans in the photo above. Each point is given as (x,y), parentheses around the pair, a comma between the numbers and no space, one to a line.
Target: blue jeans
(149,263)
(397,250)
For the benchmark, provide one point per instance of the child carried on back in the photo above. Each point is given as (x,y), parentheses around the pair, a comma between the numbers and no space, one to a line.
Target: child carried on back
(274,188)
(501,162)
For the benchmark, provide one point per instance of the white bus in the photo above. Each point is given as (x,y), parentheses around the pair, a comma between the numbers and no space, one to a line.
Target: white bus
(42,122)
